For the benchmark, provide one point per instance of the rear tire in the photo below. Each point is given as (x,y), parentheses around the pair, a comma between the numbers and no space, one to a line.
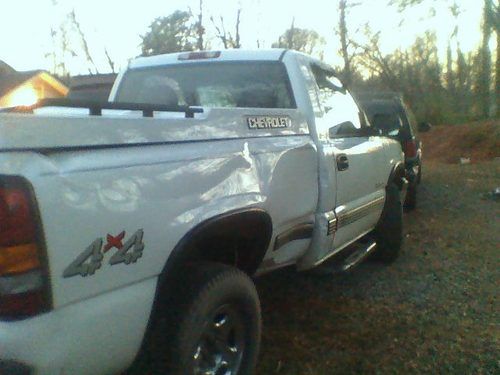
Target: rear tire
(411,198)
(411,195)
(389,231)
(212,323)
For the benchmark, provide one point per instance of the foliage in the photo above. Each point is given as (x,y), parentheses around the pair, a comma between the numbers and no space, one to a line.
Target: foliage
(303,40)
(174,33)
(226,37)
(458,88)
(64,49)
(83,40)
(435,94)
(455,90)
(345,43)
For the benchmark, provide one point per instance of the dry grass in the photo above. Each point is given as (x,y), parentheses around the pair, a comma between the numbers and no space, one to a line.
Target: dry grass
(478,141)
(434,310)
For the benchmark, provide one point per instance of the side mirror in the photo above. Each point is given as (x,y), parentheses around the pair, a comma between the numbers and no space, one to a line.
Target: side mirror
(336,84)
(370,131)
(424,127)
(344,129)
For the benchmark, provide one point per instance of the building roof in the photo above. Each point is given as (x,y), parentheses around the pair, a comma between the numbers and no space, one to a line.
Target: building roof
(94,87)
(6,68)
(12,79)
(9,81)
(91,80)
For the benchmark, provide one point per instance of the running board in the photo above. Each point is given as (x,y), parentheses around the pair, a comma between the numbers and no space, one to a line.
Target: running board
(358,256)
(345,262)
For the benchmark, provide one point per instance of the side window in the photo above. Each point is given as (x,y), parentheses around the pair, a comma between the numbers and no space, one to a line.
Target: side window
(341,115)
(389,123)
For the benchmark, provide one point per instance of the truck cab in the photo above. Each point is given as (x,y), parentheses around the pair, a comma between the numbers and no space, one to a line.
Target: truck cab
(353,158)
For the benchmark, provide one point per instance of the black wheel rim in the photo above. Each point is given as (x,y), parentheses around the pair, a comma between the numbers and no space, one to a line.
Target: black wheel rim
(221,345)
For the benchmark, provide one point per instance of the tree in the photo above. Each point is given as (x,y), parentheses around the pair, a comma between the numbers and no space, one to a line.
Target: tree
(403,4)
(303,40)
(83,41)
(200,30)
(70,42)
(111,63)
(463,83)
(376,63)
(227,39)
(485,76)
(174,33)
(415,72)
(469,85)
(490,25)
(63,49)
(345,42)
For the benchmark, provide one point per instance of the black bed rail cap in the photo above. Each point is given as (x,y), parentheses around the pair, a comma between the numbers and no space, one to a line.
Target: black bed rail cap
(95,107)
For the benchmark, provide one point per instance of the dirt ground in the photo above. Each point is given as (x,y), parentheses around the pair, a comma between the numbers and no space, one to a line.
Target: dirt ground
(477,141)
(435,310)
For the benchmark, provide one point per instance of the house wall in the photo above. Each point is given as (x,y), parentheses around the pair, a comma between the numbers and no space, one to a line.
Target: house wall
(29,92)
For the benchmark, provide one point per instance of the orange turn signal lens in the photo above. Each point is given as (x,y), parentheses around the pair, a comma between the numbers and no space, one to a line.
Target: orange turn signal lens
(18,259)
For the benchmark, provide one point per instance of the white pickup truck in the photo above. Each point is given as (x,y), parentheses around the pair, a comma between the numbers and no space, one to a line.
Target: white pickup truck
(129,228)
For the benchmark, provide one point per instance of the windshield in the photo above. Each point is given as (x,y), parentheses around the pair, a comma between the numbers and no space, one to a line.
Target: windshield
(221,84)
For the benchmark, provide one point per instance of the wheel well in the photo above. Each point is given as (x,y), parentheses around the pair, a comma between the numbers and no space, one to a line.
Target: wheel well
(238,238)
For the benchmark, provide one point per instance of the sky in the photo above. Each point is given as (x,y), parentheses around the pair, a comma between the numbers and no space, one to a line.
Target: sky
(116,25)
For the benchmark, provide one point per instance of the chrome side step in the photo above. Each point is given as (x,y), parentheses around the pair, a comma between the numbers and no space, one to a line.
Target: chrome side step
(347,259)
(358,256)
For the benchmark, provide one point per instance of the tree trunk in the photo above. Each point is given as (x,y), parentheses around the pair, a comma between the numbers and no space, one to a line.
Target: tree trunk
(497,76)
(199,28)
(289,42)
(343,42)
(237,43)
(485,96)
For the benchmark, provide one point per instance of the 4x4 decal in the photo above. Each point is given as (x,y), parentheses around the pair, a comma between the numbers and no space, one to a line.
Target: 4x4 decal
(90,260)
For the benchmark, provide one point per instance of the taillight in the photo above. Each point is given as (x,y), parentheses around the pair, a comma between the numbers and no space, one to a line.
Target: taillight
(410,148)
(23,287)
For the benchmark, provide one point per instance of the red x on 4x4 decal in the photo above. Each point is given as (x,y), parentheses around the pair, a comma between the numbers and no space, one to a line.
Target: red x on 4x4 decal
(114,241)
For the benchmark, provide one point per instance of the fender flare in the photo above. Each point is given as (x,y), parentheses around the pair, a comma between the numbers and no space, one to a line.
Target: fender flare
(184,250)
(398,175)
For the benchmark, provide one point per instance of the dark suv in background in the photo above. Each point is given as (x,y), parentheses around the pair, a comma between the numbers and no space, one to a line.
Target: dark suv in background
(389,113)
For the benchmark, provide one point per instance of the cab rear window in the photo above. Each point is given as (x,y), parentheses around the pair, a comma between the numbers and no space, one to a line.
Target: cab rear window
(221,84)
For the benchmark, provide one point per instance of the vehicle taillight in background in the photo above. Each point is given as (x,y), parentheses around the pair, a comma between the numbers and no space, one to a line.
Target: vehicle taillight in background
(410,148)
(23,287)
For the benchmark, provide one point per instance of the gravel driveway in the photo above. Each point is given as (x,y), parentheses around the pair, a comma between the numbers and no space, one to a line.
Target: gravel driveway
(435,310)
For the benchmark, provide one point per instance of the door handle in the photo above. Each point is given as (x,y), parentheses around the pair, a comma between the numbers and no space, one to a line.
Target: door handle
(342,162)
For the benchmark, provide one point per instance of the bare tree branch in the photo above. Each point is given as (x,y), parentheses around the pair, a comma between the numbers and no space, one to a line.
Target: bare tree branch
(83,40)
(237,37)
(110,61)
(227,39)
(221,31)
